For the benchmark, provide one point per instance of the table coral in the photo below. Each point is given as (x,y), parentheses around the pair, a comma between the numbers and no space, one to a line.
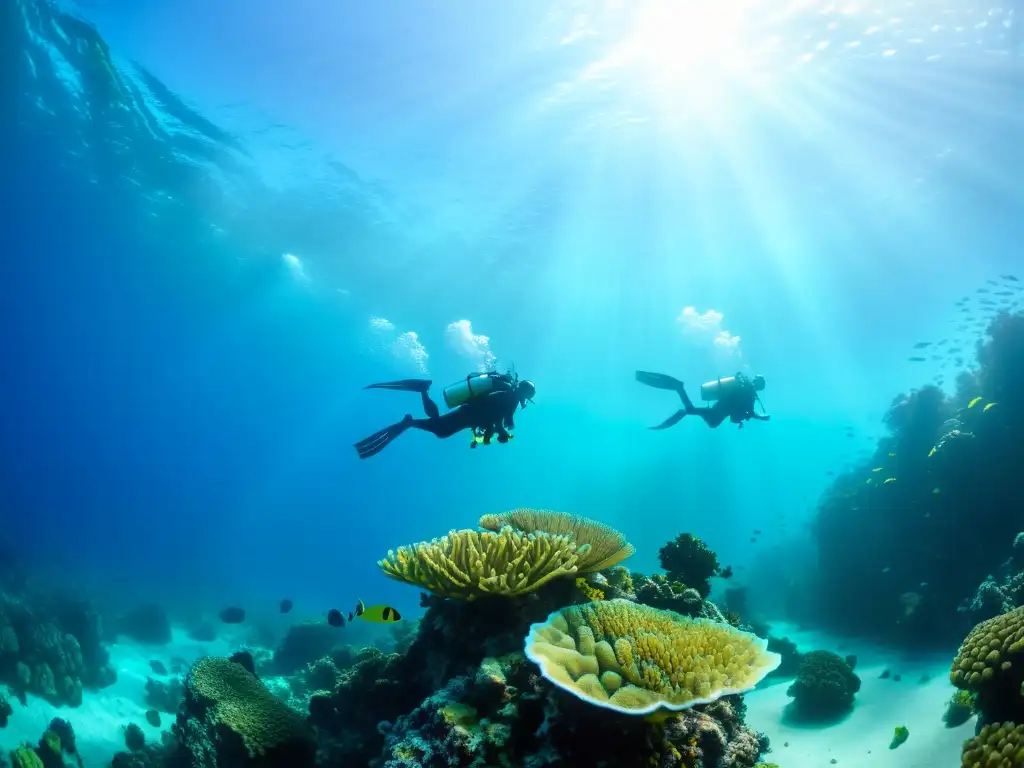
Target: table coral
(639,660)
(599,546)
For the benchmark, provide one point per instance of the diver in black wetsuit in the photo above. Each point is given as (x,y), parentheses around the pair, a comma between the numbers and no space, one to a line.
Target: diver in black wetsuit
(488,413)
(737,401)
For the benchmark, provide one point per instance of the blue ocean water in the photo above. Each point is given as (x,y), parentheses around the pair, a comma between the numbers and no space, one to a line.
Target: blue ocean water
(222,222)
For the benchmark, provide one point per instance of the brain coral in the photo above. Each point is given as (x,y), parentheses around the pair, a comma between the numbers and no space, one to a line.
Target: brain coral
(998,745)
(470,564)
(599,546)
(636,659)
(244,705)
(989,651)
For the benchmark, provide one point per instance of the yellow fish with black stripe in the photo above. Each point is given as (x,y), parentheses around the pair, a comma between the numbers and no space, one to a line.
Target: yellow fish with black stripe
(378,614)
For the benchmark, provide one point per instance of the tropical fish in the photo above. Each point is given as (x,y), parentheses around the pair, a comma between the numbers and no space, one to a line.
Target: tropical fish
(974,402)
(922,344)
(334,618)
(892,454)
(877,469)
(378,614)
(916,359)
(932,451)
(889,480)
(286,605)
(987,406)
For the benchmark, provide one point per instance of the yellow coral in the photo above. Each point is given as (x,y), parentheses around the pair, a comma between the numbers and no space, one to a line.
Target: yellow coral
(242,703)
(643,659)
(599,546)
(589,591)
(999,745)
(989,650)
(470,564)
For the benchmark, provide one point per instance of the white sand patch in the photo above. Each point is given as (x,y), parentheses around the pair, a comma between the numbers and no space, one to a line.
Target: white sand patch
(99,722)
(916,701)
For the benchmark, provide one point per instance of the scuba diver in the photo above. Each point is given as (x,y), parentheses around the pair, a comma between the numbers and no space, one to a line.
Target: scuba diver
(734,398)
(482,402)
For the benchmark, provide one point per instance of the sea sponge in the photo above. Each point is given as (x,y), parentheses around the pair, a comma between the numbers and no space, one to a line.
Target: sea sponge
(998,745)
(469,564)
(658,660)
(990,651)
(244,705)
(825,685)
(599,546)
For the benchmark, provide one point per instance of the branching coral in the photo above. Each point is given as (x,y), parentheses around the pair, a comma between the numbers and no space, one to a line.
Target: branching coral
(599,546)
(469,564)
(639,660)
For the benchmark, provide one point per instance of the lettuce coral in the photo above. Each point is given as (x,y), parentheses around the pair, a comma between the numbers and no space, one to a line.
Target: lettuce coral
(599,546)
(470,564)
(638,660)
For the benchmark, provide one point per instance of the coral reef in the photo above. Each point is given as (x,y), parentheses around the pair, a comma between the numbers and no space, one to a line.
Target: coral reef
(688,560)
(999,745)
(932,531)
(469,564)
(598,546)
(51,645)
(990,663)
(637,659)
(824,687)
(959,709)
(229,718)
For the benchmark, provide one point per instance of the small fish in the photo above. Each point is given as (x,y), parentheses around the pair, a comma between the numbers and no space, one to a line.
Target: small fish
(954,350)
(987,406)
(992,282)
(868,481)
(892,454)
(335,619)
(757,532)
(1003,293)
(983,290)
(889,480)
(922,344)
(877,469)
(1011,278)
(917,359)
(753,540)
(886,569)
(936,490)
(378,614)
(286,605)
(932,451)
(232,615)
(974,402)
(157,666)
(153,718)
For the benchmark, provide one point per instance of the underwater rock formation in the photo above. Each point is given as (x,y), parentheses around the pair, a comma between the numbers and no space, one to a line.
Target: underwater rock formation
(303,644)
(925,514)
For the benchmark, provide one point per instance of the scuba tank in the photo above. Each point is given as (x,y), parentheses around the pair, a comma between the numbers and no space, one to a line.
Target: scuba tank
(474,385)
(719,388)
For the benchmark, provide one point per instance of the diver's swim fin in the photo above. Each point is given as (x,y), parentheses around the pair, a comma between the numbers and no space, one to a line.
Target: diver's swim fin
(659,380)
(671,421)
(378,441)
(405,385)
